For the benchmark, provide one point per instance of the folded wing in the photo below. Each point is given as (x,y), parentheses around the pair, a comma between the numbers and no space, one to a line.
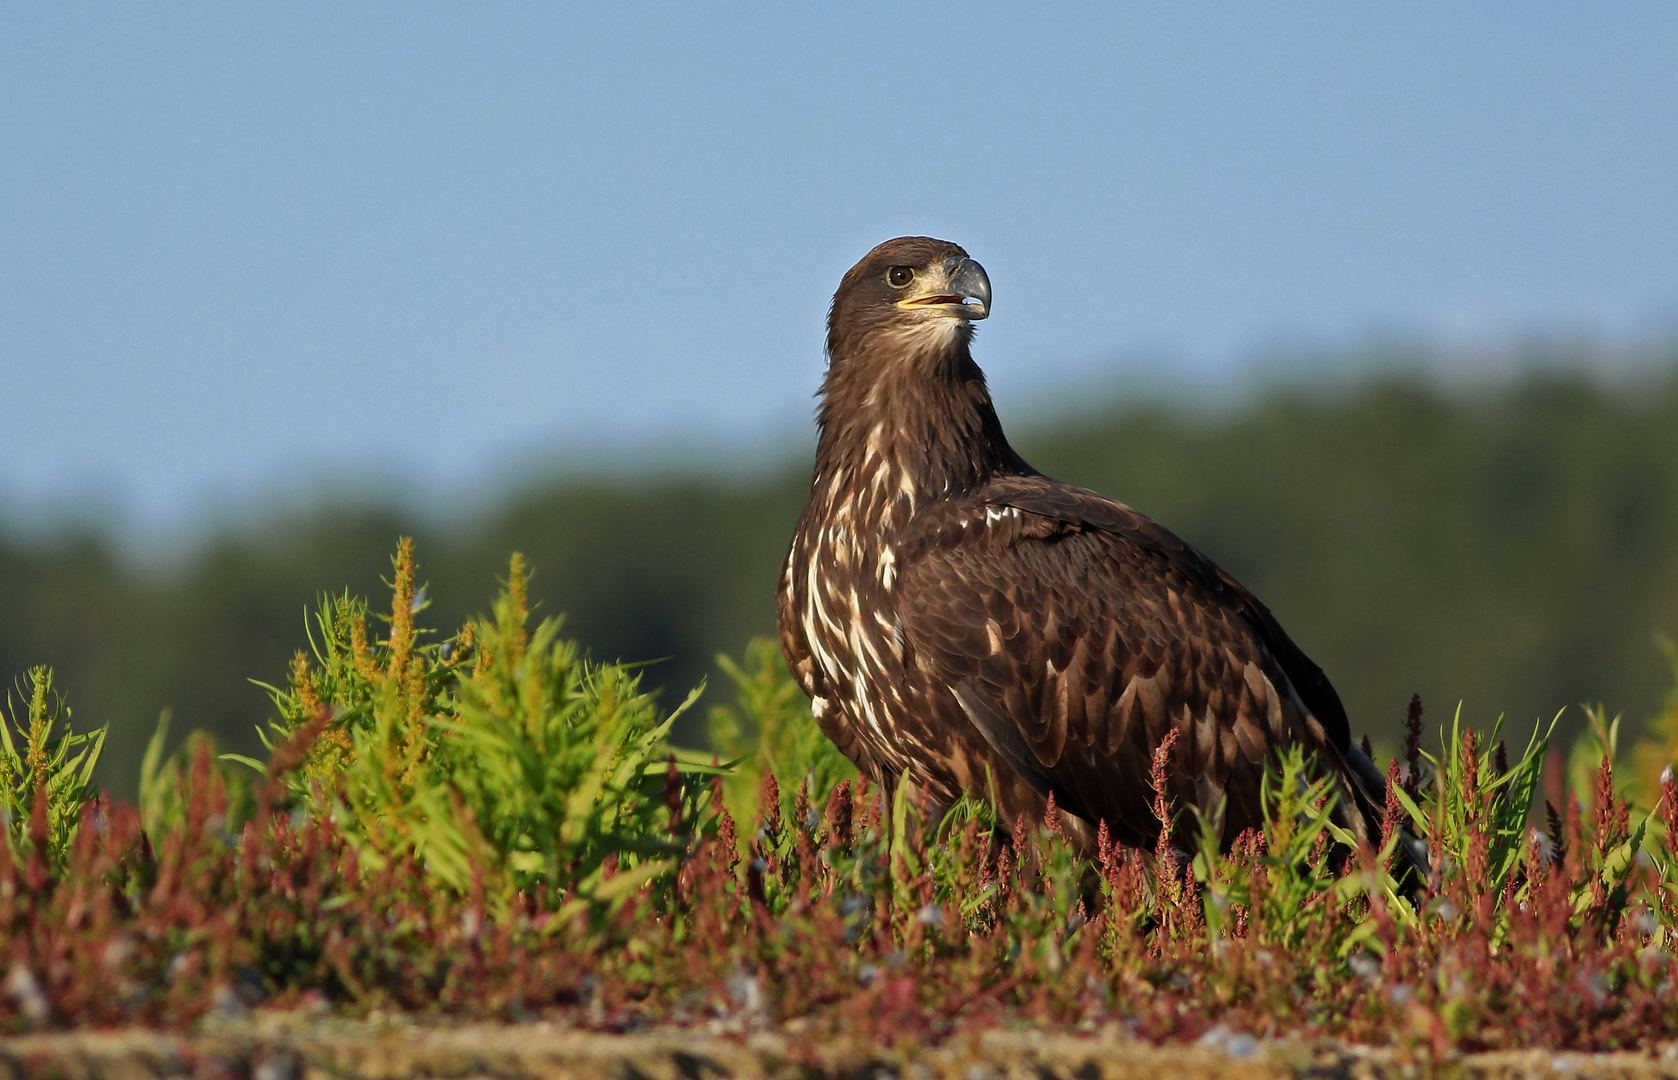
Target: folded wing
(1074,632)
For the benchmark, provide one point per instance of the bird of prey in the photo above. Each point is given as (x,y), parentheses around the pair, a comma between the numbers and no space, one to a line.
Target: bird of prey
(963,621)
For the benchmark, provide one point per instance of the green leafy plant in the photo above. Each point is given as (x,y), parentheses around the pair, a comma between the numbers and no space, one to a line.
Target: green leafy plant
(1479,813)
(499,759)
(46,769)
(769,729)
(165,781)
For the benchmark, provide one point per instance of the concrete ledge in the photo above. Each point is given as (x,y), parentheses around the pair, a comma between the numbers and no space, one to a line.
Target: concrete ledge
(389,1051)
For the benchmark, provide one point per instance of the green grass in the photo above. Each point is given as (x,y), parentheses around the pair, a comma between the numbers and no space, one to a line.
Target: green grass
(485,824)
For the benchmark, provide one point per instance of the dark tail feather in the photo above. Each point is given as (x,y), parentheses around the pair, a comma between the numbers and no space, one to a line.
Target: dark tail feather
(1369,792)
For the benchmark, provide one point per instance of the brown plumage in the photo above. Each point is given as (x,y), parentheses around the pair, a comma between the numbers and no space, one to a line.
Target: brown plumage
(952,612)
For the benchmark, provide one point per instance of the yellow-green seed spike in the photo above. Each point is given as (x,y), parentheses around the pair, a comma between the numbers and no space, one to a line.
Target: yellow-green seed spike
(516,585)
(512,610)
(40,725)
(402,607)
(8,771)
(360,651)
(303,686)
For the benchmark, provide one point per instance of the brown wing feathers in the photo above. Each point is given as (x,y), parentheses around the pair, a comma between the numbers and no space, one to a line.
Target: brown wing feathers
(1073,651)
(956,616)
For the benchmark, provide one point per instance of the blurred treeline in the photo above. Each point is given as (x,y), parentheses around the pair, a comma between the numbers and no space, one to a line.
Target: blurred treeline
(1515,548)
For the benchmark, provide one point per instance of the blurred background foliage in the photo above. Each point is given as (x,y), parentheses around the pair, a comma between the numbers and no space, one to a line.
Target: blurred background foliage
(1514,547)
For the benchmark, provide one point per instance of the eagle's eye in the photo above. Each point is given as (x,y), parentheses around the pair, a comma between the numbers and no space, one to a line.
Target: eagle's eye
(899,276)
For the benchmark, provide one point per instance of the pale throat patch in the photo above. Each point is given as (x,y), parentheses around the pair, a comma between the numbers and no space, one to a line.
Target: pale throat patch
(932,331)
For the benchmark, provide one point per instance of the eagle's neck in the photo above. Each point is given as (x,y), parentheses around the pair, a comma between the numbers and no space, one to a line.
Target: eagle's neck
(899,432)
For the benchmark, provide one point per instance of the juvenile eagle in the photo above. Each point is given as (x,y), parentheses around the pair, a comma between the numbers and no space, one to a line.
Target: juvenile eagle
(954,613)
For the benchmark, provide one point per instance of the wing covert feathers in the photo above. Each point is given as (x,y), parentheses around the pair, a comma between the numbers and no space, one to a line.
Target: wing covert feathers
(1076,632)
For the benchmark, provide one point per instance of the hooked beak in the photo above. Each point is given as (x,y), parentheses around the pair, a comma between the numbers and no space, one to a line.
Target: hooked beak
(964,293)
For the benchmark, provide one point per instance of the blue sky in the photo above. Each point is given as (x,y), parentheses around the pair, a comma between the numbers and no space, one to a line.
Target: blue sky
(248,247)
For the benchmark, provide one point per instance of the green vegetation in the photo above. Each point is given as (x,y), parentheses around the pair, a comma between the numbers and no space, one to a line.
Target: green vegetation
(498,760)
(488,826)
(1514,548)
(46,770)
(770,728)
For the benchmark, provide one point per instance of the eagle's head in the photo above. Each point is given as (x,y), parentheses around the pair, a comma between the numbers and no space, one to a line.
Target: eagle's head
(910,295)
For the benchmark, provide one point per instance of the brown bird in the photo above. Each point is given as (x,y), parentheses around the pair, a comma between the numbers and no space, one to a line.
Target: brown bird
(955,615)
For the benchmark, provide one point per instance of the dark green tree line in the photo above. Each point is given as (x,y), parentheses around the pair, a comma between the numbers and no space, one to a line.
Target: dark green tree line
(1515,548)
